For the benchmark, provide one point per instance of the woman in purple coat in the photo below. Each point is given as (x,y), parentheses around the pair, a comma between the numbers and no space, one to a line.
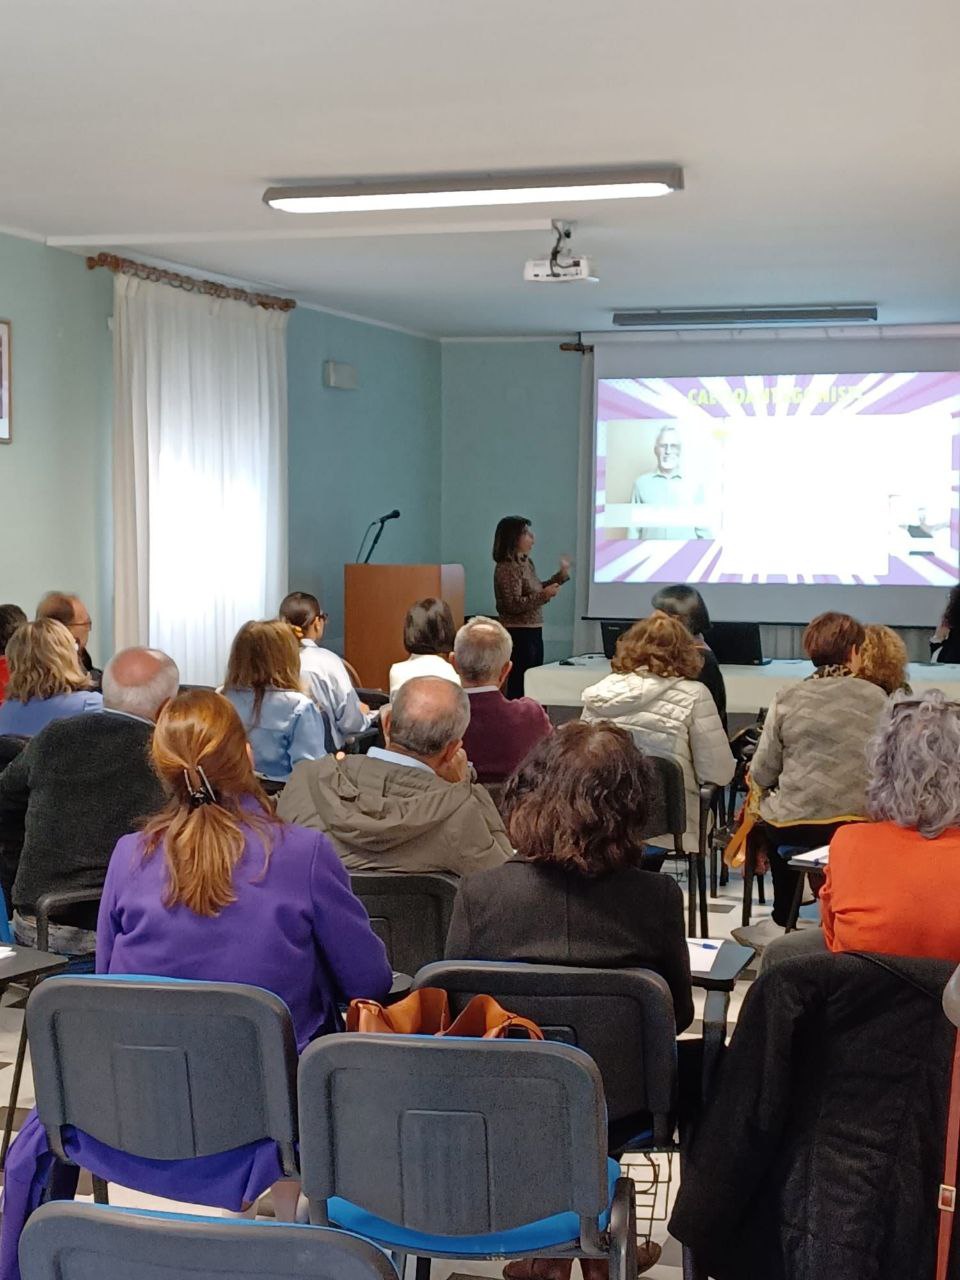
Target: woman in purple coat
(217,888)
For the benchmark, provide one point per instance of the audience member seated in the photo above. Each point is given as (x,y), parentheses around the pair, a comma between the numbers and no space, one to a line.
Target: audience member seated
(11,616)
(77,788)
(323,673)
(822,1148)
(75,616)
(945,644)
(883,660)
(889,878)
(576,811)
(46,681)
(216,887)
(653,691)
(811,762)
(500,732)
(264,685)
(411,806)
(688,606)
(428,635)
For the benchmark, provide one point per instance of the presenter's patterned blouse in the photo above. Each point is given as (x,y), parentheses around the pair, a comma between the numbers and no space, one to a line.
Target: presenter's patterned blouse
(519,592)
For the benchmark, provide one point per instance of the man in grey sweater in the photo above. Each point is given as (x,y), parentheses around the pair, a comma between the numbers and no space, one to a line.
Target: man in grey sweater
(75,789)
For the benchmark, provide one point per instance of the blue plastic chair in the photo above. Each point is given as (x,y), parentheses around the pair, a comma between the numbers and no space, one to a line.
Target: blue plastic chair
(461,1148)
(64,1240)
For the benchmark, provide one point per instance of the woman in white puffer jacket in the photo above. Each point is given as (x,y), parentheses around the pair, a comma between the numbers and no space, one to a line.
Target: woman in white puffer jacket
(653,691)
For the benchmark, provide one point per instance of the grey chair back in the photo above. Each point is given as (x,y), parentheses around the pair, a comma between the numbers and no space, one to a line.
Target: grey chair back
(623,1018)
(668,807)
(409,912)
(66,1241)
(163,1069)
(442,1135)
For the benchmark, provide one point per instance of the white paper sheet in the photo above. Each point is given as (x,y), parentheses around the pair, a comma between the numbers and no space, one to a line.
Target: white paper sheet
(703,955)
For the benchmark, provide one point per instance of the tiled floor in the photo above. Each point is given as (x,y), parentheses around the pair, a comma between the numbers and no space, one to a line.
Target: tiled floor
(724,915)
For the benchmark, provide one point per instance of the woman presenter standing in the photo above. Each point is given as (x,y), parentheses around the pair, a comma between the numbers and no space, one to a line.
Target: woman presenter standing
(520,596)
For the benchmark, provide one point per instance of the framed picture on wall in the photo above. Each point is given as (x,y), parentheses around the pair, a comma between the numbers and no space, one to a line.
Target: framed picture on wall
(6,423)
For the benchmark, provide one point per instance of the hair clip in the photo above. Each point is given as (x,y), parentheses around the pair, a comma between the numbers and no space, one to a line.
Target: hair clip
(203,794)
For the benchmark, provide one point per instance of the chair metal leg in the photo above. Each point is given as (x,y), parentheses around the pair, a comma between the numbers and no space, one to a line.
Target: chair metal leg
(423,1269)
(14,1092)
(714,868)
(691,897)
(761,890)
(748,878)
(100,1195)
(796,903)
(623,1231)
(692,1270)
(702,894)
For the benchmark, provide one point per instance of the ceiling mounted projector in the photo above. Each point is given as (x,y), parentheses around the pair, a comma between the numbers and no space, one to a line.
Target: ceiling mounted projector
(735,317)
(563,266)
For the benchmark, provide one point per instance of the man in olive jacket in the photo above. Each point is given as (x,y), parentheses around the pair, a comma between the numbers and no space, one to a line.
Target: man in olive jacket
(412,806)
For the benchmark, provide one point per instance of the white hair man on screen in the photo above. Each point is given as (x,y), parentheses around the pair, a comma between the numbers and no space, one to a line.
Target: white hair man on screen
(669,485)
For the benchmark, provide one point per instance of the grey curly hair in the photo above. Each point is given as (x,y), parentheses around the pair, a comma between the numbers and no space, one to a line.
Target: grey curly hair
(914,763)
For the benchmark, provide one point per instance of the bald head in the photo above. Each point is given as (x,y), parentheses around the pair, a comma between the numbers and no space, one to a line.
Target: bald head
(140,682)
(427,716)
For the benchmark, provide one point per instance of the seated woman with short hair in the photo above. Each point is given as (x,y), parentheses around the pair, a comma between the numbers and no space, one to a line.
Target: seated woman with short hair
(429,632)
(892,881)
(654,692)
(686,604)
(575,811)
(810,763)
(264,685)
(46,681)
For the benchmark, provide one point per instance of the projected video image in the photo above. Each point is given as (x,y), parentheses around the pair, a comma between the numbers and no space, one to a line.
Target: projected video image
(847,479)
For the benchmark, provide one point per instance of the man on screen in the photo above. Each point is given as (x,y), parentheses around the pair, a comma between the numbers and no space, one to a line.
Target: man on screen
(667,486)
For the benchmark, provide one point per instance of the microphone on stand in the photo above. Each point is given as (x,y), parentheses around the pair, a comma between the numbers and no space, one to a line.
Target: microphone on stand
(382,520)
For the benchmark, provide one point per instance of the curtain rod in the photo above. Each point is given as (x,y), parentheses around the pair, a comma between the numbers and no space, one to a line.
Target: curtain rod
(190,284)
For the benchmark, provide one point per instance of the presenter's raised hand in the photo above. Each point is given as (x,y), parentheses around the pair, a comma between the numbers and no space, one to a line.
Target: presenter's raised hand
(552,590)
(565,565)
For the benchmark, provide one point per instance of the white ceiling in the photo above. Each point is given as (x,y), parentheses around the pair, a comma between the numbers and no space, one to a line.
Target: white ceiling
(820,140)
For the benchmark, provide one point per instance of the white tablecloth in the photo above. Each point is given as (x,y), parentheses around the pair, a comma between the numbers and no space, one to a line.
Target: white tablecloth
(748,688)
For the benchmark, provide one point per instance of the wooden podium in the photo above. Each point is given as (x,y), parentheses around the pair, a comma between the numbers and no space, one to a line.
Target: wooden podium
(376,600)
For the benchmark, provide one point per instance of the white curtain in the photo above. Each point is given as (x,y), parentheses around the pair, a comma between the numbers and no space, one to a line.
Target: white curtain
(200,449)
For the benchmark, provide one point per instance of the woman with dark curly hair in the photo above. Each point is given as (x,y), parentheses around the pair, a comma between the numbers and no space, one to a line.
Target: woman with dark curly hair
(945,645)
(654,692)
(575,812)
(576,894)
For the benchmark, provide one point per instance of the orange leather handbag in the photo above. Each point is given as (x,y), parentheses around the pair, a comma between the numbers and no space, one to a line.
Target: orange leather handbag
(427,1013)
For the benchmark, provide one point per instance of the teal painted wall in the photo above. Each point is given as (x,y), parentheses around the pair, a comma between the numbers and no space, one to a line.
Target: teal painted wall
(55,476)
(354,455)
(510,446)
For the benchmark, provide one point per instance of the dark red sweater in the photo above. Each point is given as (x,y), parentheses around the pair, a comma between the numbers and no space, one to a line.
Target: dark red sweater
(501,733)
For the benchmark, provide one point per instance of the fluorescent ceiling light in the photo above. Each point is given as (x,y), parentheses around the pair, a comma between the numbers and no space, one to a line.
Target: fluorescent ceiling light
(464,191)
(678,317)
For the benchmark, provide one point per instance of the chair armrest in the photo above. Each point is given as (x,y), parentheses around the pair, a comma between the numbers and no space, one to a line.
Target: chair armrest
(49,903)
(715,1012)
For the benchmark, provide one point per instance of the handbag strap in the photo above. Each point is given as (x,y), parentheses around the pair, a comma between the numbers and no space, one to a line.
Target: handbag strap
(947,1198)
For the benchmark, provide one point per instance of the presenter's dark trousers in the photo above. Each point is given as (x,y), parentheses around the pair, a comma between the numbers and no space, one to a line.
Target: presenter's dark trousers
(527,653)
